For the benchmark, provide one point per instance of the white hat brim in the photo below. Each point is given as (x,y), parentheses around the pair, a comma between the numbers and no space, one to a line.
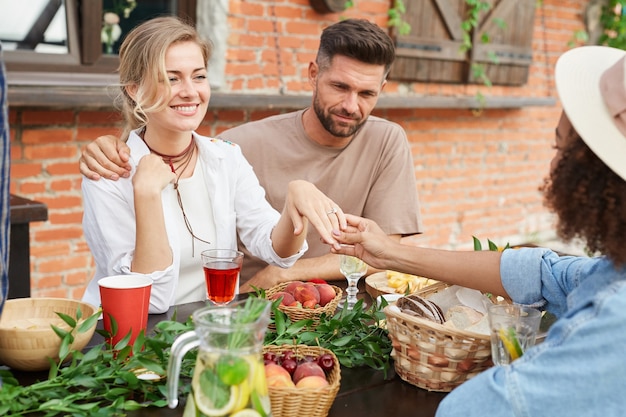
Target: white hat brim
(577,78)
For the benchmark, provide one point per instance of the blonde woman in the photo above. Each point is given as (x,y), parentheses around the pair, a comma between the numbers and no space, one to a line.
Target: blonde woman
(186,192)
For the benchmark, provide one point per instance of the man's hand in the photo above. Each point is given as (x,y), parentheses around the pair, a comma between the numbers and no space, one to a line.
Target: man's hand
(265,278)
(105,157)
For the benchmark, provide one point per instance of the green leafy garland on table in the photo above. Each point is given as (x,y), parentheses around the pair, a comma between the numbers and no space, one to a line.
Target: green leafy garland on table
(104,381)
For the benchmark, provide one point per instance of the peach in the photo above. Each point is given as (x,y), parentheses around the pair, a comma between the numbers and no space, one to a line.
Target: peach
(287,298)
(313,381)
(306,292)
(307,369)
(292,286)
(277,376)
(327,293)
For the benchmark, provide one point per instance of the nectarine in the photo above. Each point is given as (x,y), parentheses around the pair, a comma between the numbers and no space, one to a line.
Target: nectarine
(292,286)
(307,369)
(327,293)
(307,293)
(313,381)
(287,298)
(277,376)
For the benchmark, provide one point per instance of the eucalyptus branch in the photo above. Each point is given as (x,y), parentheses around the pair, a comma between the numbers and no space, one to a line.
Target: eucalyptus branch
(102,381)
(357,337)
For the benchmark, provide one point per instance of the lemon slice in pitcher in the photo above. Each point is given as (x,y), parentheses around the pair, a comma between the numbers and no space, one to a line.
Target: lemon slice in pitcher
(212,396)
(243,396)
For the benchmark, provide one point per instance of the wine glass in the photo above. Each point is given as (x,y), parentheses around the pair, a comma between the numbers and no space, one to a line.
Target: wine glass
(221,274)
(353,269)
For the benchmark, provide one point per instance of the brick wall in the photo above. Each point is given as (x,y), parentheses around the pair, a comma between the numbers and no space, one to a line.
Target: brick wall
(478,173)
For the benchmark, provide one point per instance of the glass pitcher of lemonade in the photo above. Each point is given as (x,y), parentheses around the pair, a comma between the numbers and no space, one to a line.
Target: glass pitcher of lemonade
(229,377)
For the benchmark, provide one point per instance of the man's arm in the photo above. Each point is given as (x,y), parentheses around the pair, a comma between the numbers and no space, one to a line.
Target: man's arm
(325,267)
(105,157)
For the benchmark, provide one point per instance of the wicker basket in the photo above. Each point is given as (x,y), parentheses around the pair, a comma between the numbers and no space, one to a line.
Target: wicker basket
(309,402)
(299,313)
(432,356)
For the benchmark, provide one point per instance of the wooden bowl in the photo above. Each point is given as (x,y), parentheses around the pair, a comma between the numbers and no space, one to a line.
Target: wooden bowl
(26,336)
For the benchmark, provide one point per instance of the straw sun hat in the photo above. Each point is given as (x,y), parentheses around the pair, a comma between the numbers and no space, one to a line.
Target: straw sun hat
(591,83)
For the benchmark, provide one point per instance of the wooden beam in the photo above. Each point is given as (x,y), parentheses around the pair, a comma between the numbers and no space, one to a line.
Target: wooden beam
(78,97)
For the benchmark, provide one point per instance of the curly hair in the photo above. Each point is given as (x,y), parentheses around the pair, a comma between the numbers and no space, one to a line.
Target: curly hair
(589,200)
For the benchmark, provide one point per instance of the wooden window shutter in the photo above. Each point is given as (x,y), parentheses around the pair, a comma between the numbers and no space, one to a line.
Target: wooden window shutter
(511,45)
(432,51)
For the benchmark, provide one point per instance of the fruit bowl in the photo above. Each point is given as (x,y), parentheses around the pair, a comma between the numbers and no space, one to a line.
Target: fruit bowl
(310,402)
(26,336)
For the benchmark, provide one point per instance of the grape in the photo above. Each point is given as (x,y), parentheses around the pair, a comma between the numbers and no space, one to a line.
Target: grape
(289,365)
(288,354)
(270,357)
(326,362)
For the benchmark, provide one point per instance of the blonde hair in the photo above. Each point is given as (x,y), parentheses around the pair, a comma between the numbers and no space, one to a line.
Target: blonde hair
(142,66)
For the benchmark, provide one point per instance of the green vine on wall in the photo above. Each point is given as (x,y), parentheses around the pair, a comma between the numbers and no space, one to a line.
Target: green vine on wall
(605,22)
(476,9)
(395,14)
(613,20)
(396,18)
(471,23)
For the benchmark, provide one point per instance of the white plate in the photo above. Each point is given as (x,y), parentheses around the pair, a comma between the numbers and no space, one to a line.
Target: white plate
(391,298)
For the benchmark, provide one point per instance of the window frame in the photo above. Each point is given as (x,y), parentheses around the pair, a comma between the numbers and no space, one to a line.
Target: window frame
(85,47)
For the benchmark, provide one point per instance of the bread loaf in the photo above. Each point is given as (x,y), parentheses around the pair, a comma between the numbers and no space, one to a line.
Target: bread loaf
(418,306)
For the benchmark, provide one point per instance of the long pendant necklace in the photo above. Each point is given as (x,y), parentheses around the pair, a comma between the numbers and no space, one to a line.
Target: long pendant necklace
(183,160)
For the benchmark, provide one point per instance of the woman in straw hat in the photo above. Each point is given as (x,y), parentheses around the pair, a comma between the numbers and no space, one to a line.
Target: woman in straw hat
(580,368)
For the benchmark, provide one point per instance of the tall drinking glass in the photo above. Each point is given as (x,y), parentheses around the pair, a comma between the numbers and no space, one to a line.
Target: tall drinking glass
(221,273)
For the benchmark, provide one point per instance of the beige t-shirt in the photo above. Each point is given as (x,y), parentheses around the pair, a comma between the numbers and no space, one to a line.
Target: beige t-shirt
(373,176)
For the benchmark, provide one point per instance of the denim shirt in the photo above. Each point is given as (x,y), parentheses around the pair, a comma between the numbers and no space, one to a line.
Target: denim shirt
(580,368)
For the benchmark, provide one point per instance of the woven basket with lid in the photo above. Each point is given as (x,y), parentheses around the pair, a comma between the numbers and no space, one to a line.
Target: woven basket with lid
(432,356)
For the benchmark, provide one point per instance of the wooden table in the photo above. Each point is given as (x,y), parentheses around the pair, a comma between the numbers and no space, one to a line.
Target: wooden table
(364,392)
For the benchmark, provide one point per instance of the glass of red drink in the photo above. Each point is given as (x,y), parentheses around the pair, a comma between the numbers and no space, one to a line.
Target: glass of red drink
(221,274)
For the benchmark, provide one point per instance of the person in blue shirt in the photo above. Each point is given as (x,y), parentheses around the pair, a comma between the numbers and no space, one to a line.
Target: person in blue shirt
(5,166)
(580,367)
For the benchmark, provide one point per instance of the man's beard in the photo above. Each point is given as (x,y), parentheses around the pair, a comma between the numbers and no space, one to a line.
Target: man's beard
(330,126)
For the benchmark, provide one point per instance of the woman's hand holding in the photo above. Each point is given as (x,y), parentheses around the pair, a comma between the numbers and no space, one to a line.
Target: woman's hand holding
(305,201)
(364,239)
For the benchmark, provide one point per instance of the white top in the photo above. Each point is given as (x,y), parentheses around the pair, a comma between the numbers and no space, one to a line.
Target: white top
(238,207)
(197,208)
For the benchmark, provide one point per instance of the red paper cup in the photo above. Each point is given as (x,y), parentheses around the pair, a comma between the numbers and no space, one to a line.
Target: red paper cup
(125,298)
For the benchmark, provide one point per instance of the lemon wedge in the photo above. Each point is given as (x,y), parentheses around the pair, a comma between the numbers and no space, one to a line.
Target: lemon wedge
(261,403)
(509,340)
(211,396)
(259,394)
(243,397)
